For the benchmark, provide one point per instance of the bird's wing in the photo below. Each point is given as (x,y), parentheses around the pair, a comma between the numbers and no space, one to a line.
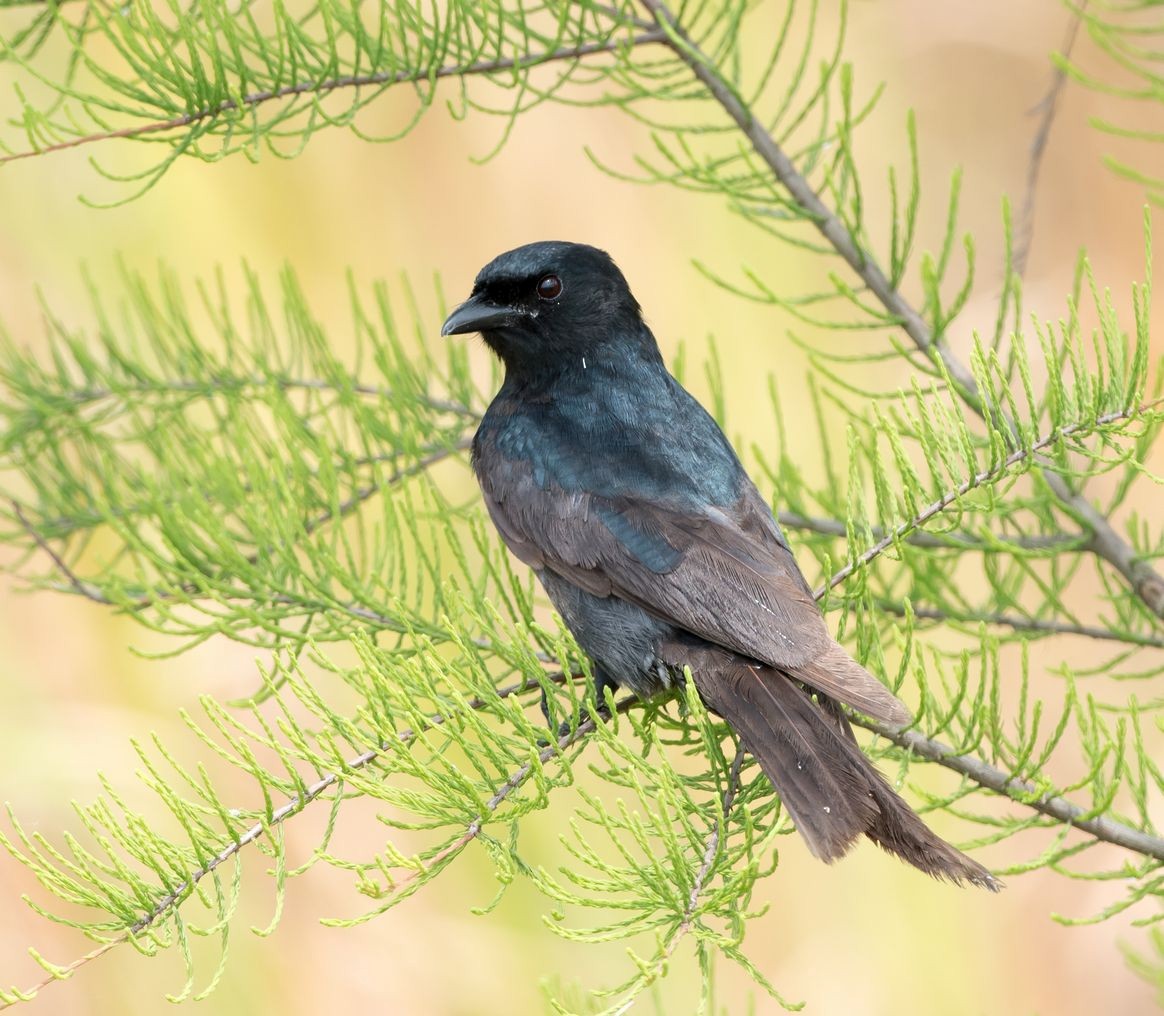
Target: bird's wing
(726,576)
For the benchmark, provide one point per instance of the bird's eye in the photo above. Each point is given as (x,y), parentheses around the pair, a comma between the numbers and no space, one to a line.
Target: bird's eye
(549,287)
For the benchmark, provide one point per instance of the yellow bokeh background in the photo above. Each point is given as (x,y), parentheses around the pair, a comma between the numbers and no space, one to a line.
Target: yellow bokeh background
(867,936)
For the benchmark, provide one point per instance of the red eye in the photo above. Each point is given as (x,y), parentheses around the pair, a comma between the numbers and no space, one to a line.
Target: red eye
(549,287)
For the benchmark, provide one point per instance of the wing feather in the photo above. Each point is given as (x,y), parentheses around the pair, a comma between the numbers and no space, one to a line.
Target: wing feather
(725,575)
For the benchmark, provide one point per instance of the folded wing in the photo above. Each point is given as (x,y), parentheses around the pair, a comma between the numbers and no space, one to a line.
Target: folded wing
(724,575)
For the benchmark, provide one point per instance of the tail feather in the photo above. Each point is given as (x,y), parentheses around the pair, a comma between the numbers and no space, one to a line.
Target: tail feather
(831,790)
(838,675)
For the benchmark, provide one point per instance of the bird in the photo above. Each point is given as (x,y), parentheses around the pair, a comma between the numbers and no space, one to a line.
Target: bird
(611,481)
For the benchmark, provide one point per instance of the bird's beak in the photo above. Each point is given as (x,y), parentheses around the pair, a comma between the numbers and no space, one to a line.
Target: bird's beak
(478,315)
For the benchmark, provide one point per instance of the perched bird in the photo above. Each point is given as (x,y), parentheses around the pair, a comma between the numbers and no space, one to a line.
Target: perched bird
(604,475)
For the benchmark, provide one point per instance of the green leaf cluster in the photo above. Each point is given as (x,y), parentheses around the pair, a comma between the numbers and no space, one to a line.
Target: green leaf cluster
(214,469)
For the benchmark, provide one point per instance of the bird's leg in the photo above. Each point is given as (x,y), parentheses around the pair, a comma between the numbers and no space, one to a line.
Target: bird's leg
(545,705)
(602,681)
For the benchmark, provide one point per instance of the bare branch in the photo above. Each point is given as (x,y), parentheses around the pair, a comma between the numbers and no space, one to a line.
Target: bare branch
(1106,543)
(1047,107)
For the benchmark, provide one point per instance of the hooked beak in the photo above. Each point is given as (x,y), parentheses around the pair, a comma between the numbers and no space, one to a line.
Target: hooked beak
(478,315)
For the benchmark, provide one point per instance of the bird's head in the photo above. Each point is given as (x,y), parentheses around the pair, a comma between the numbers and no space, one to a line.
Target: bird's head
(549,303)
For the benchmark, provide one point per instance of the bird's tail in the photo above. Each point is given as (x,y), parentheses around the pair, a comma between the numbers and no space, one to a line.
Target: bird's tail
(831,790)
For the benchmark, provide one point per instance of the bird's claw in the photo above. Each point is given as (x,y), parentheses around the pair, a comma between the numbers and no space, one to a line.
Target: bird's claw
(566,728)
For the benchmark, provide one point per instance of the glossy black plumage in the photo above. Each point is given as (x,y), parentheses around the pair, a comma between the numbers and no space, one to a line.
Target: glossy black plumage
(604,475)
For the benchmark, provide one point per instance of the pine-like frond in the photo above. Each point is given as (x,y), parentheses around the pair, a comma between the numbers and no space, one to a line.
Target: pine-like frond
(214,471)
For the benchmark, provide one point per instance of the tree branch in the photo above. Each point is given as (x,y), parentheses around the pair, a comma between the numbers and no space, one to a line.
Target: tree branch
(357,498)
(345,508)
(1106,543)
(974,769)
(977,480)
(75,583)
(280,815)
(298,803)
(379,79)
(1031,624)
(709,851)
(955,540)
(1047,107)
(988,776)
(82,396)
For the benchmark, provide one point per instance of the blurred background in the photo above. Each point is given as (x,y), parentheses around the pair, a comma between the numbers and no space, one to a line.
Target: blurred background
(868,936)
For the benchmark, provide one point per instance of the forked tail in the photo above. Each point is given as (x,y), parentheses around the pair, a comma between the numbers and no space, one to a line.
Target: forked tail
(832,791)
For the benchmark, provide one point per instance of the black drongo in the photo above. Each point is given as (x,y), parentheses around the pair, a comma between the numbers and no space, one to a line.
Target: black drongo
(609,480)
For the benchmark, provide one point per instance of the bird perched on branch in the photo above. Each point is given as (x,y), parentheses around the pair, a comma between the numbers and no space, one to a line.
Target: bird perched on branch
(604,475)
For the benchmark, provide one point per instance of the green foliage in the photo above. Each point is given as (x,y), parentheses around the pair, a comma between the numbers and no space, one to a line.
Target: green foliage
(217,471)
(214,79)
(1124,33)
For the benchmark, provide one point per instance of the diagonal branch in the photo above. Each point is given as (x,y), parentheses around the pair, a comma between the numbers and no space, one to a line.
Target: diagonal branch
(175,897)
(986,775)
(519,776)
(982,773)
(956,540)
(1019,623)
(709,851)
(381,79)
(1147,584)
(1047,107)
(345,508)
(73,580)
(84,396)
(902,531)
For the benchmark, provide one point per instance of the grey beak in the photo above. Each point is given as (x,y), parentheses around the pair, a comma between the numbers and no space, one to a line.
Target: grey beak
(478,315)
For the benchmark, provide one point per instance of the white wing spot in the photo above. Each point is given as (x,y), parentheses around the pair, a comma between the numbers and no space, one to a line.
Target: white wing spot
(583,363)
(828,810)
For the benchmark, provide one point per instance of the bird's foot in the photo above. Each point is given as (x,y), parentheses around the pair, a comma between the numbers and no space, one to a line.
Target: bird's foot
(566,727)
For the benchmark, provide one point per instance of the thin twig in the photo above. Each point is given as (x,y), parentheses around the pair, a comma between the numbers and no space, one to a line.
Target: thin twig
(473,830)
(1031,624)
(977,480)
(709,851)
(345,508)
(959,540)
(234,384)
(63,525)
(75,583)
(1147,584)
(351,503)
(1025,793)
(379,79)
(297,804)
(1047,107)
